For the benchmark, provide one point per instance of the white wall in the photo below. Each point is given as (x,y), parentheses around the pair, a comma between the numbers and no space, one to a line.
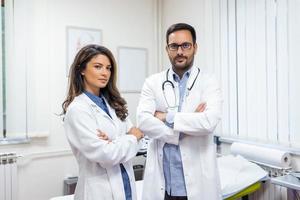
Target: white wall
(48,160)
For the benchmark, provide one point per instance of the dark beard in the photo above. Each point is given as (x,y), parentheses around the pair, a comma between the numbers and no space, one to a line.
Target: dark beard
(180,70)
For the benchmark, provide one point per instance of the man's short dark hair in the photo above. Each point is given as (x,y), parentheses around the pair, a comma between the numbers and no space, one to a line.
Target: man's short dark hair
(181,26)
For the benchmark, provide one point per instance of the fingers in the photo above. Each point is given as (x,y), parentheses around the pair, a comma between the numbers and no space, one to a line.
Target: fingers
(136,132)
(101,135)
(157,113)
(201,107)
(160,115)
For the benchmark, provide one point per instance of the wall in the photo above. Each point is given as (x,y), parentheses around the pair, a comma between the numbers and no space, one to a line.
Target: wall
(47,158)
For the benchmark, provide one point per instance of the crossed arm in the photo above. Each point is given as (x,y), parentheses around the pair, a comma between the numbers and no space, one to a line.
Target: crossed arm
(162,115)
(133,131)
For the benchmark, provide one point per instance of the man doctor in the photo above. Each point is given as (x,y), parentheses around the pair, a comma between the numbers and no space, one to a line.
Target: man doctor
(179,109)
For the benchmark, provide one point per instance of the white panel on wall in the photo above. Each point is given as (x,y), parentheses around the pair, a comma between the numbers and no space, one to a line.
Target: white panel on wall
(216,62)
(224,66)
(1,78)
(260,71)
(132,60)
(251,70)
(294,49)
(241,30)
(271,69)
(282,71)
(232,67)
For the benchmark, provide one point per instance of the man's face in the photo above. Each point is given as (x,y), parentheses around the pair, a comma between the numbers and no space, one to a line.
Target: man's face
(182,56)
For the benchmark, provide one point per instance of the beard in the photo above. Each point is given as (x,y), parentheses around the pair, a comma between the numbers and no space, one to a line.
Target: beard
(182,63)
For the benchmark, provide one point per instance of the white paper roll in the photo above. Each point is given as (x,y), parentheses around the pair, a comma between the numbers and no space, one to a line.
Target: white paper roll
(264,155)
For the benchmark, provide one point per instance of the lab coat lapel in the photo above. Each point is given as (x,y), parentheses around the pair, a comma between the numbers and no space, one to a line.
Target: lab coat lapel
(191,79)
(189,97)
(97,110)
(111,111)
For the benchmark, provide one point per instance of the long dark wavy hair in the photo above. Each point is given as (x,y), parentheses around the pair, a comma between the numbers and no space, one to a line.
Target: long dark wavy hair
(76,83)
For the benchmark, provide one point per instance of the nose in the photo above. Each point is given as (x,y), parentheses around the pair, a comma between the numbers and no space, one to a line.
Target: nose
(179,51)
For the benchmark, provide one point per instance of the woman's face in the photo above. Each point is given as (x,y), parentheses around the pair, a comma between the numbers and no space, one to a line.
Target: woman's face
(96,74)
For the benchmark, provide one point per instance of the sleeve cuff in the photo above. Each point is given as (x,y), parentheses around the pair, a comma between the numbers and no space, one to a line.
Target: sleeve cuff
(170,118)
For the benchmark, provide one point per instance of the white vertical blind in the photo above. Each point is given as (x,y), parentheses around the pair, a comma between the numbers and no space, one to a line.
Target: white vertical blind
(259,41)
(224,66)
(282,71)
(1,71)
(294,69)
(271,70)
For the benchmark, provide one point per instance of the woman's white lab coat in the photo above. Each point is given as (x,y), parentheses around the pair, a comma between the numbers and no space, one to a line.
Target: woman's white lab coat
(99,161)
(197,147)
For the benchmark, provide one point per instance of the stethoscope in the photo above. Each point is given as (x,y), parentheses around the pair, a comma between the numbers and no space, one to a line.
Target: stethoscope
(170,83)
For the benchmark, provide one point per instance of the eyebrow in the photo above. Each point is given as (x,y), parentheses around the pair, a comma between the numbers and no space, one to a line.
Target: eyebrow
(97,63)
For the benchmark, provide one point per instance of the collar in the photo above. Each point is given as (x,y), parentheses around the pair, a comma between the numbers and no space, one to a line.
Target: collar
(193,73)
(96,99)
(176,77)
(96,108)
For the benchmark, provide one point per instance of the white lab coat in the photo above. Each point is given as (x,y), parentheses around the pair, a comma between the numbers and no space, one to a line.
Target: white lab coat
(99,170)
(197,147)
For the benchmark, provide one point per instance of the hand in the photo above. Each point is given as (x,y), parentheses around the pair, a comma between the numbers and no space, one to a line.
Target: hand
(136,132)
(201,107)
(160,115)
(102,136)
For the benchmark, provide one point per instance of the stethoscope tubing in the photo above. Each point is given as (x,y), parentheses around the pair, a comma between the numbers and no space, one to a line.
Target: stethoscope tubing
(167,81)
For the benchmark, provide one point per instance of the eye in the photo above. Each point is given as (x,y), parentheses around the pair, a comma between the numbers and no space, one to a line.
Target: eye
(186,45)
(108,67)
(173,46)
(98,66)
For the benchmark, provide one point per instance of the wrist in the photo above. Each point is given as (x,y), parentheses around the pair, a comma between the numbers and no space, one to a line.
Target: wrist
(170,116)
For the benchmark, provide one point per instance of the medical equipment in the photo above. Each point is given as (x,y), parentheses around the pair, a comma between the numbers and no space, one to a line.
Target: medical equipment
(271,157)
(167,82)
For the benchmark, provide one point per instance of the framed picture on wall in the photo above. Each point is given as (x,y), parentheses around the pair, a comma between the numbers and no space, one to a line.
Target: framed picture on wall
(132,69)
(78,37)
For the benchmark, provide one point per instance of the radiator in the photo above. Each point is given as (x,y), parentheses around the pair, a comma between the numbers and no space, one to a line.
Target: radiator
(8,176)
(268,191)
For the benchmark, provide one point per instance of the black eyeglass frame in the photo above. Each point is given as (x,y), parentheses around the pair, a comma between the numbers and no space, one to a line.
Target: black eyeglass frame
(184,46)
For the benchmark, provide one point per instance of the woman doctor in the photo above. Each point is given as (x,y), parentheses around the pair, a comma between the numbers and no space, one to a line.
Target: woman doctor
(94,105)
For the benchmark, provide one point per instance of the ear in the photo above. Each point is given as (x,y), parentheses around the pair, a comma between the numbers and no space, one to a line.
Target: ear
(82,73)
(195,48)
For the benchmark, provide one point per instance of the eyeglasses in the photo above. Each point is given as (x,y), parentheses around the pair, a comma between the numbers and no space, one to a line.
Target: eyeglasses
(184,46)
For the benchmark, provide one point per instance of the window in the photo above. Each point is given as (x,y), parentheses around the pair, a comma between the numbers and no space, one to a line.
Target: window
(13,86)
(259,41)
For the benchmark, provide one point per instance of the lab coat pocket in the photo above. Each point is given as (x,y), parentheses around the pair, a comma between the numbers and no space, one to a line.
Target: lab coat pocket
(98,188)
